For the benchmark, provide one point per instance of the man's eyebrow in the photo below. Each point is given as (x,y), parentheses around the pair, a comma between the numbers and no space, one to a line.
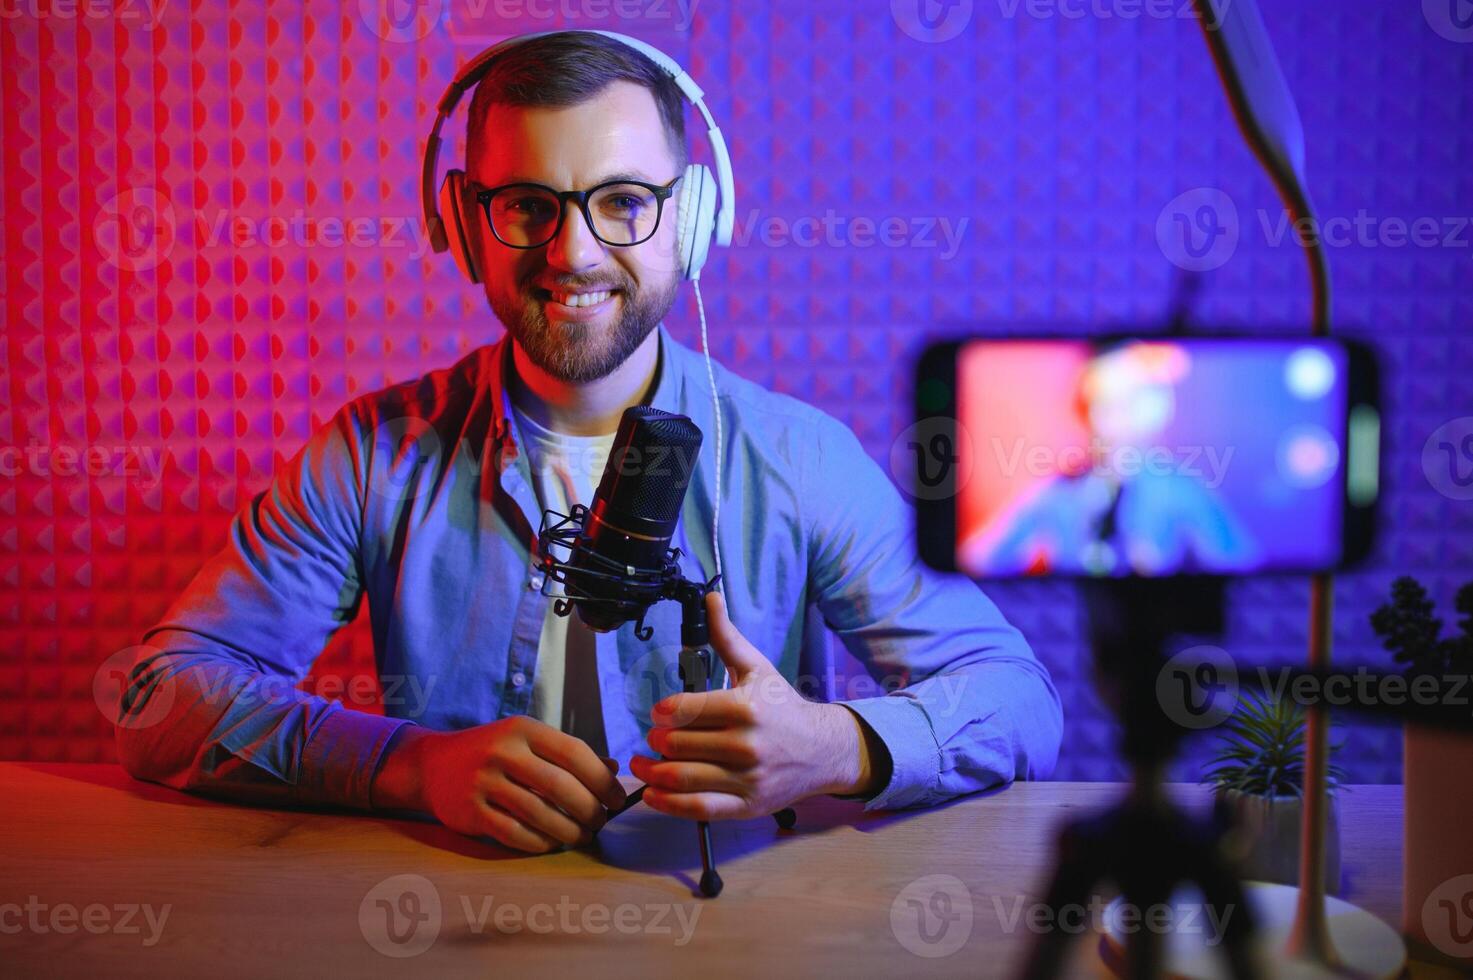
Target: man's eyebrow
(638,175)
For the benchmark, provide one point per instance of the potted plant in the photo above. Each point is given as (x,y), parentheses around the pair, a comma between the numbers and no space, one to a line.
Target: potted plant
(1259,771)
(1435,762)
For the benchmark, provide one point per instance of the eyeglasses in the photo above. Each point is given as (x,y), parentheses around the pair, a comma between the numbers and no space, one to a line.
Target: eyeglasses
(620,212)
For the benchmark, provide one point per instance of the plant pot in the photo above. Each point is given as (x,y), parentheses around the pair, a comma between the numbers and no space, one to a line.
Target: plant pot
(1268,829)
(1437,882)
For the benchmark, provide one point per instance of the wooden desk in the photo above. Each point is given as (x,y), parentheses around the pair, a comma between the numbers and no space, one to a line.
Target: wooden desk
(272,893)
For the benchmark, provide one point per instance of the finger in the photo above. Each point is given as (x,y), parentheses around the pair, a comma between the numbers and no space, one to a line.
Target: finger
(729,708)
(697,745)
(613,764)
(536,813)
(740,657)
(559,787)
(507,829)
(697,806)
(685,777)
(574,755)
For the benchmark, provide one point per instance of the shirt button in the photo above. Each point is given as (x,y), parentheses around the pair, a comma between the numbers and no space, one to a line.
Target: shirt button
(518,679)
(535,582)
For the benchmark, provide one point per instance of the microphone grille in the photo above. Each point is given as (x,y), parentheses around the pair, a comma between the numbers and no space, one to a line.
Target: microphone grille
(649,468)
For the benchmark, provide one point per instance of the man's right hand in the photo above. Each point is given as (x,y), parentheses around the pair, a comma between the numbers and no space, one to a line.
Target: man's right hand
(518,780)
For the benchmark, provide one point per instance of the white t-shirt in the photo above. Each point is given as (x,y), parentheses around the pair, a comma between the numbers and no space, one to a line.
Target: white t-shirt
(565,471)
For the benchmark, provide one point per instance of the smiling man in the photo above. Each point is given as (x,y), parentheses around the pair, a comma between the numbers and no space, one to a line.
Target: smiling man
(426,496)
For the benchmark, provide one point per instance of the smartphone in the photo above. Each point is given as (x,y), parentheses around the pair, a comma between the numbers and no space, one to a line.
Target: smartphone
(1143,457)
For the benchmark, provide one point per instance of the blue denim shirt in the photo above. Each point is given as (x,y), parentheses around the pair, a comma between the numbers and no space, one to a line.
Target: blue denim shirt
(417,497)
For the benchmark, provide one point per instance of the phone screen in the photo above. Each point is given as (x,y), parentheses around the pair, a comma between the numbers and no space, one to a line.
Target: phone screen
(1151,457)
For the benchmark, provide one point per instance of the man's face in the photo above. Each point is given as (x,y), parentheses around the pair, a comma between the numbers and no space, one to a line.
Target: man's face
(615,135)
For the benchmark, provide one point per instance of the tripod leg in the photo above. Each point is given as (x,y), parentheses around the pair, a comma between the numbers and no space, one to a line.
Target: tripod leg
(695,675)
(1224,892)
(710,881)
(1143,945)
(1078,871)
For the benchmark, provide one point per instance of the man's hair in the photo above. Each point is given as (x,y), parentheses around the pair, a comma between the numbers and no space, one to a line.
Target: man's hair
(567,69)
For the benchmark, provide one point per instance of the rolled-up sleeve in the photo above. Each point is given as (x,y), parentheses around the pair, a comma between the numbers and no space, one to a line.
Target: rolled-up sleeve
(211,703)
(972,706)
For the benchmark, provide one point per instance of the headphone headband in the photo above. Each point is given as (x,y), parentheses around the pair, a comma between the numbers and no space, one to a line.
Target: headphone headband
(477,67)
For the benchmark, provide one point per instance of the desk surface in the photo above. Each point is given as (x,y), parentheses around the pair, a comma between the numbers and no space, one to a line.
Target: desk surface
(266,892)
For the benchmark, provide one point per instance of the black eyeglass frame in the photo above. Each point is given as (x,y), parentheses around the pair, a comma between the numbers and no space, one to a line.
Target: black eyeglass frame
(661,192)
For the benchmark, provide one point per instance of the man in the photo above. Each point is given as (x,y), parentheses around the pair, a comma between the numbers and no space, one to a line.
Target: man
(526,717)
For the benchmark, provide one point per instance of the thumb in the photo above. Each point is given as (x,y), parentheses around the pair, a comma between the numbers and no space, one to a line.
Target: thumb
(739,656)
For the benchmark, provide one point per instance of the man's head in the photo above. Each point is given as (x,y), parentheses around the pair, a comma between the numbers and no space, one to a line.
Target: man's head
(571,111)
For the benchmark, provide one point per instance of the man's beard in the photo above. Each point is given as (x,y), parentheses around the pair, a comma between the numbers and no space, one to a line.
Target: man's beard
(578,353)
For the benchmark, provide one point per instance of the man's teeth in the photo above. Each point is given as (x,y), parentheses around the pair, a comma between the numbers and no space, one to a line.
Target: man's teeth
(581,299)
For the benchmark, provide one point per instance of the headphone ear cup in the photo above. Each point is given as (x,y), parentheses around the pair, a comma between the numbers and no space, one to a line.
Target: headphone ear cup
(452,214)
(697,218)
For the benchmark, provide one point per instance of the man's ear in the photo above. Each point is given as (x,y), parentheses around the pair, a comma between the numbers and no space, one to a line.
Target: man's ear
(475,228)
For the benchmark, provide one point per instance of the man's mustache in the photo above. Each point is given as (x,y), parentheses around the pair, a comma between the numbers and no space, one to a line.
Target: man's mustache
(576,283)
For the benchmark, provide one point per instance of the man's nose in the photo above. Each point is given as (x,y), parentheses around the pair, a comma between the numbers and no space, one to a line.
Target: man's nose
(574,249)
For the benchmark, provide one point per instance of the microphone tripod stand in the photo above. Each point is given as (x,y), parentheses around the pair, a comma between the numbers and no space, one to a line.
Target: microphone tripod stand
(633,591)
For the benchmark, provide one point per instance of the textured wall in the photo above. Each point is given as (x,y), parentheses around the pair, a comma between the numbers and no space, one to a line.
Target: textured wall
(211,241)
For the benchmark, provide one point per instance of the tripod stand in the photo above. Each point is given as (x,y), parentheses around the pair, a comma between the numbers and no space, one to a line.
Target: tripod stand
(635,590)
(1145,845)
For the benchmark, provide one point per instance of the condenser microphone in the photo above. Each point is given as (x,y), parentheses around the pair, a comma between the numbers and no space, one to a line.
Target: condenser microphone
(619,557)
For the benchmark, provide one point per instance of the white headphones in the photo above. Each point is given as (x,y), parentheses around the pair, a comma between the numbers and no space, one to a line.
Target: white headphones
(701,222)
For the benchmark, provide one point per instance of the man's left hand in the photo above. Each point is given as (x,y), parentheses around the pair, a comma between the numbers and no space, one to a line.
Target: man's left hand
(750,749)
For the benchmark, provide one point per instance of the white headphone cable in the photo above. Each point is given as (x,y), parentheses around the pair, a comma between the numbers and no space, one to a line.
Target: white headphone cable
(716,410)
